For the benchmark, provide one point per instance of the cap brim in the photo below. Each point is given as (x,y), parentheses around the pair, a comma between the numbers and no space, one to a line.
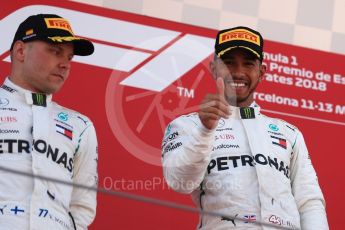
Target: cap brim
(82,47)
(239,47)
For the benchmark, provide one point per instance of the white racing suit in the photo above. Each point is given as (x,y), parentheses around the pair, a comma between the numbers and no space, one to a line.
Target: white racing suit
(40,137)
(251,166)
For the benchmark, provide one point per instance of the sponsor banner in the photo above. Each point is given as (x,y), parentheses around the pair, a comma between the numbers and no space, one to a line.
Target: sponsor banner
(299,83)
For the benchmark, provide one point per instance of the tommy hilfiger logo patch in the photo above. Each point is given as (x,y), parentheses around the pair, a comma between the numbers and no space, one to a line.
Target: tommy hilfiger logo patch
(279,141)
(64,131)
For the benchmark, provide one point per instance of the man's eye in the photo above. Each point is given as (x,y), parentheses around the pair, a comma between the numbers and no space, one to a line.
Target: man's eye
(229,62)
(249,63)
(55,51)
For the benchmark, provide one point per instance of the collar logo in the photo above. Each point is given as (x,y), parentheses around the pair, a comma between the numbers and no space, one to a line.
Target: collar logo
(247,113)
(273,127)
(63,116)
(39,99)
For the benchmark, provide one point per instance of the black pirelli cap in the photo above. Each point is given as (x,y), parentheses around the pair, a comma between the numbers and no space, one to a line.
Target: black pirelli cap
(54,29)
(239,37)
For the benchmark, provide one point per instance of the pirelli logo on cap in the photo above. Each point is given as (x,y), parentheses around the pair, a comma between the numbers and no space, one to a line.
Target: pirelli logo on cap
(58,23)
(239,34)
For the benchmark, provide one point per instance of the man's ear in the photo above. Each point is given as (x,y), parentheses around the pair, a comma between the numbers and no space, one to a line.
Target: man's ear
(262,71)
(18,51)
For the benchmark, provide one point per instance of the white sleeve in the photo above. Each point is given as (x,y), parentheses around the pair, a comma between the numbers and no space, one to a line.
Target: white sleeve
(186,152)
(306,189)
(83,202)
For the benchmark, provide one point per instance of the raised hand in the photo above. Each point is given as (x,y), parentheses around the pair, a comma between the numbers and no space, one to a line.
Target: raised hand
(214,107)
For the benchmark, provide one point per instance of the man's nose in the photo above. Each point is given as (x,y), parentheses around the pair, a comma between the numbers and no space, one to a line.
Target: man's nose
(65,63)
(237,71)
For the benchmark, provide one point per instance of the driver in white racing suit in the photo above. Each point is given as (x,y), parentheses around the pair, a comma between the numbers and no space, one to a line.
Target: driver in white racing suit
(235,160)
(40,137)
